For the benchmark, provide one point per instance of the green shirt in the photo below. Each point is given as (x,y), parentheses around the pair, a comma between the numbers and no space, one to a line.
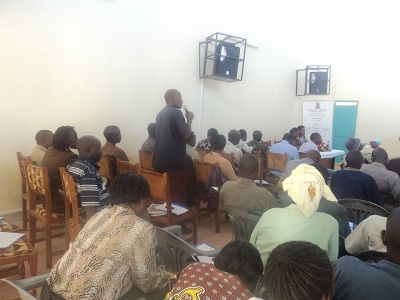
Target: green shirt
(280,225)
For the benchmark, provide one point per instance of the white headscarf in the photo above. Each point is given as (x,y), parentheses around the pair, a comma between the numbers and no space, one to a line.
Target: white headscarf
(306,187)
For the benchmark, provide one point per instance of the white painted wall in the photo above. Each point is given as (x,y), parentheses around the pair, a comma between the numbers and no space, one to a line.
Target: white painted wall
(93,63)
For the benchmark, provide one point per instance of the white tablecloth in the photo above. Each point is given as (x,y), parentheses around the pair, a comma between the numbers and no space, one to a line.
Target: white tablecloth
(332,153)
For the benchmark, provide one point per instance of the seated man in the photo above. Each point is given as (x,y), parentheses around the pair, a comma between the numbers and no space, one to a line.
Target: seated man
(315,140)
(190,144)
(113,136)
(298,270)
(295,132)
(244,193)
(257,144)
(44,139)
(302,135)
(352,183)
(300,220)
(230,147)
(92,191)
(367,236)
(355,279)
(218,143)
(205,144)
(284,147)
(313,156)
(388,182)
(149,143)
(242,145)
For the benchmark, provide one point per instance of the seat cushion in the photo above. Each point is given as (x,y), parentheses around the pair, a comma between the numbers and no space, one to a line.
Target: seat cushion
(18,248)
(41,211)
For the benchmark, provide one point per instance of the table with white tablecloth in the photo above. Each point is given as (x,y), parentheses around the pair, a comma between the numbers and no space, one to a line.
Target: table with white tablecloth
(328,158)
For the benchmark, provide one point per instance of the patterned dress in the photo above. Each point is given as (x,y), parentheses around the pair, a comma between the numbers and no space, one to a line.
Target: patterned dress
(113,252)
(205,281)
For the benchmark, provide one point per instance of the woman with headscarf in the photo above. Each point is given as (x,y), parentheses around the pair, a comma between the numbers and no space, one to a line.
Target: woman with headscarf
(299,221)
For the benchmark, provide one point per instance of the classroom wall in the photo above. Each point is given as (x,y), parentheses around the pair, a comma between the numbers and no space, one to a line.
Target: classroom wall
(91,63)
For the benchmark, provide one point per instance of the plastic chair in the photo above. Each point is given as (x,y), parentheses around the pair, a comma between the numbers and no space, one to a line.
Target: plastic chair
(72,226)
(39,186)
(24,188)
(243,223)
(358,210)
(175,252)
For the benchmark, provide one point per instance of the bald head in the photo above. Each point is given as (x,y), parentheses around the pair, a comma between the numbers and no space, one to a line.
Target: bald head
(314,155)
(379,155)
(391,236)
(354,159)
(248,166)
(89,146)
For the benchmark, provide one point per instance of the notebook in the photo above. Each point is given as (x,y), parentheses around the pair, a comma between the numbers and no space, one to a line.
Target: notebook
(9,238)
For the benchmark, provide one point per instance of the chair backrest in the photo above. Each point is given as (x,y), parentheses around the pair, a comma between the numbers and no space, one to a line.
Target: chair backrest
(175,252)
(71,204)
(146,160)
(126,167)
(242,223)
(277,161)
(39,184)
(22,169)
(202,153)
(203,171)
(230,157)
(108,166)
(358,210)
(260,171)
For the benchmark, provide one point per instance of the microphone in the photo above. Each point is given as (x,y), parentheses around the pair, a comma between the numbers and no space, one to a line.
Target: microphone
(186,109)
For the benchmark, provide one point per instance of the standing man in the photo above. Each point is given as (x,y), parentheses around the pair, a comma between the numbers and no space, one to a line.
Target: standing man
(171,133)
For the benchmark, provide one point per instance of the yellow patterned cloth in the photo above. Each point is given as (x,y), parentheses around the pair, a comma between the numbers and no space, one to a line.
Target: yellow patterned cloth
(41,211)
(7,227)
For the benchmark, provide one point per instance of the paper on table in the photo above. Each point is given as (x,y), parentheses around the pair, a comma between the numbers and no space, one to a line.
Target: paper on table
(9,238)
(205,247)
(177,209)
(263,182)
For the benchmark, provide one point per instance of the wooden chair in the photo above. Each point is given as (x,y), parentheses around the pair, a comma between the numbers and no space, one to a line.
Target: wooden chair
(126,167)
(146,160)
(211,196)
(39,185)
(202,153)
(24,188)
(276,162)
(230,157)
(72,226)
(175,252)
(358,210)
(108,167)
(160,193)
(243,223)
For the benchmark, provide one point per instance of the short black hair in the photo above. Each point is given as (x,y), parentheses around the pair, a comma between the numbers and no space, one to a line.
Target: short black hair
(218,142)
(211,132)
(293,130)
(61,137)
(243,134)
(354,159)
(170,94)
(300,127)
(128,188)
(257,135)
(287,137)
(151,129)
(314,135)
(242,259)
(110,132)
(298,270)
(41,136)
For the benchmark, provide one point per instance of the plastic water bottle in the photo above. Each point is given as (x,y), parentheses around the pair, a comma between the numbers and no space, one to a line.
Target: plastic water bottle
(368,145)
(328,146)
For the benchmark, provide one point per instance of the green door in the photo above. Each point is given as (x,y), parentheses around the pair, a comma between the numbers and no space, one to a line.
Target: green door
(344,124)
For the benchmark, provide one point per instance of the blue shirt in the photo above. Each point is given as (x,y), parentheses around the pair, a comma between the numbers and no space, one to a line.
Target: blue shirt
(284,147)
(352,183)
(355,279)
(90,186)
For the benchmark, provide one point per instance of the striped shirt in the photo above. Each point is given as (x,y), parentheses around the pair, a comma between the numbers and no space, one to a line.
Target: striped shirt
(90,186)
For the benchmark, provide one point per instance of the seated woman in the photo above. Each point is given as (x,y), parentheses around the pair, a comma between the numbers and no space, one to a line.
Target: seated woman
(234,275)
(299,221)
(114,253)
(298,270)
